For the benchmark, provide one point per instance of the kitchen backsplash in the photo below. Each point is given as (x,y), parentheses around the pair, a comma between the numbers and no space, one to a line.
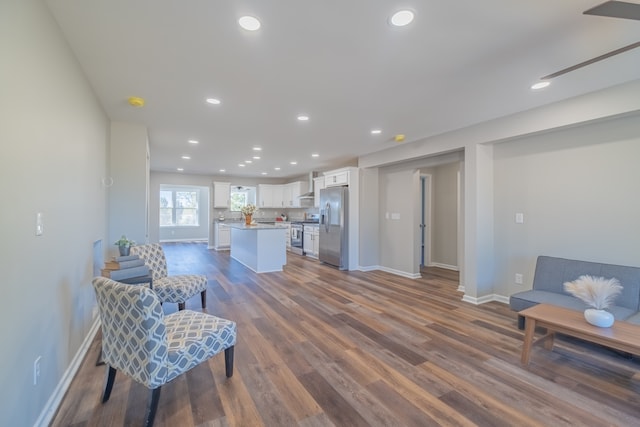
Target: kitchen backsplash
(266,214)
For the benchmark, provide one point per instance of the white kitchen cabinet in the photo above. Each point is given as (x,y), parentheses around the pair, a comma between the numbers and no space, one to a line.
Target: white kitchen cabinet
(307,241)
(278,197)
(336,178)
(265,195)
(291,194)
(316,241)
(286,196)
(221,194)
(310,240)
(222,239)
(318,184)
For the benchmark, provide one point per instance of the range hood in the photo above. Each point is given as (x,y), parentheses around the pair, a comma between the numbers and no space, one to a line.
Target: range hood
(309,194)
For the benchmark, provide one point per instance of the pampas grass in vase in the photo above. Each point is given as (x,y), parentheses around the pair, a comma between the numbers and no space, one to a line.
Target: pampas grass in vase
(598,293)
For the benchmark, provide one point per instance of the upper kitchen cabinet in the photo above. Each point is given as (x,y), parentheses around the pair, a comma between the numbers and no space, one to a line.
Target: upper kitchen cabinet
(336,178)
(221,194)
(318,184)
(265,195)
(291,194)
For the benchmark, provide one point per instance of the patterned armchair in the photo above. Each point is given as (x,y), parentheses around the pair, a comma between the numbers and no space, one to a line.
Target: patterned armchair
(176,289)
(153,349)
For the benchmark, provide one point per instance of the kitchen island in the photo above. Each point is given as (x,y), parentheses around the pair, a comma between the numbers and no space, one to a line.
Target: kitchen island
(260,247)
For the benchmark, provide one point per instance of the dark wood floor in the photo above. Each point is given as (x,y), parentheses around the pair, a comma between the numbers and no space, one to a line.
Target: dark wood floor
(320,347)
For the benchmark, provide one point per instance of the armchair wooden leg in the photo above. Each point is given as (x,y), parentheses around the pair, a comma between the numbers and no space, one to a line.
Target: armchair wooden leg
(203,298)
(108,383)
(228,361)
(152,407)
(181,306)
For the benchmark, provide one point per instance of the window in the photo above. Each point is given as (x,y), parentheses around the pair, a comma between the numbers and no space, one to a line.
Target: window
(179,208)
(241,196)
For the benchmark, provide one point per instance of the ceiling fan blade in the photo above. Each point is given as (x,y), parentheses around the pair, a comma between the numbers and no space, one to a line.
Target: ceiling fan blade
(591,61)
(616,9)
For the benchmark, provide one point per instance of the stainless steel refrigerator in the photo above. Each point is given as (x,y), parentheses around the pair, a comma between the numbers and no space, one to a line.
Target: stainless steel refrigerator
(333,238)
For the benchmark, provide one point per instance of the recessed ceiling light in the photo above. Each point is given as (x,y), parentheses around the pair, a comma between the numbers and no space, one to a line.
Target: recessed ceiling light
(303,118)
(223,170)
(276,168)
(376,132)
(213,101)
(193,141)
(265,173)
(293,163)
(180,169)
(315,155)
(186,157)
(540,85)
(249,23)
(241,165)
(257,148)
(256,157)
(402,18)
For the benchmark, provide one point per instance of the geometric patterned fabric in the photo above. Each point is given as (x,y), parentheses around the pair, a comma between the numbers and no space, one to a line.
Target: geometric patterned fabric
(174,289)
(139,340)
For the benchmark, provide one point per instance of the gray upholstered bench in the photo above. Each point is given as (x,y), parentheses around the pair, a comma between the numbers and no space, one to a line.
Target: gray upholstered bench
(551,273)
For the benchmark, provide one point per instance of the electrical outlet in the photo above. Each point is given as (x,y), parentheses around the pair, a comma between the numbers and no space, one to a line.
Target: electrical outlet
(36,370)
(519,279)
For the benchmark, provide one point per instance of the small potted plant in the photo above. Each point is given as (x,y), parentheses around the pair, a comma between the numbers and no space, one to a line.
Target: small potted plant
(124,245)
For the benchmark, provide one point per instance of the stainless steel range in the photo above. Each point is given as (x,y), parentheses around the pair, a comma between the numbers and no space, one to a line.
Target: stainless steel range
(297,233)
(296,237)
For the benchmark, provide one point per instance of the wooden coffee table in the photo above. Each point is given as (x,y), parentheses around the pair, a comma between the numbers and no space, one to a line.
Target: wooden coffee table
(621,336)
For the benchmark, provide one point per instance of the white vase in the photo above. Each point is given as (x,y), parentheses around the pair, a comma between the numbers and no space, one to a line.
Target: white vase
(600,318)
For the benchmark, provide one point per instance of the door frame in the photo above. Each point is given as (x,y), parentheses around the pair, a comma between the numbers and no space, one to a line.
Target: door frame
(424,226)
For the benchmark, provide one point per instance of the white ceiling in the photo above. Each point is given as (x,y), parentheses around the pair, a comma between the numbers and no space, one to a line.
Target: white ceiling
(339,61)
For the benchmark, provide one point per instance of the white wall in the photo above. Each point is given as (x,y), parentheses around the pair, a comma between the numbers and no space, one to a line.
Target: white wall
(399,221)
(53,155)
(579,191)
(199,232)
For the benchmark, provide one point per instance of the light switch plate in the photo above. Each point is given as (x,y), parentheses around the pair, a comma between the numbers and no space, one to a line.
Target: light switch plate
(39,224)
(519,218)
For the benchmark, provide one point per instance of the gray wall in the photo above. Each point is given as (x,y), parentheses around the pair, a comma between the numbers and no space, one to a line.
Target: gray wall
(579,191)
(53,156)
(128,194)
(444,226)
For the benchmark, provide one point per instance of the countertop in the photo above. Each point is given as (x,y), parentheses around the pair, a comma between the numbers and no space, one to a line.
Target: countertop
(257,226)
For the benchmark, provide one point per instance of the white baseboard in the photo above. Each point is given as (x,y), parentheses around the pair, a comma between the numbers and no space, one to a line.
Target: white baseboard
(399,272)
(445,266)
(369,268)
(182,240)
(46,416)
(485,299)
